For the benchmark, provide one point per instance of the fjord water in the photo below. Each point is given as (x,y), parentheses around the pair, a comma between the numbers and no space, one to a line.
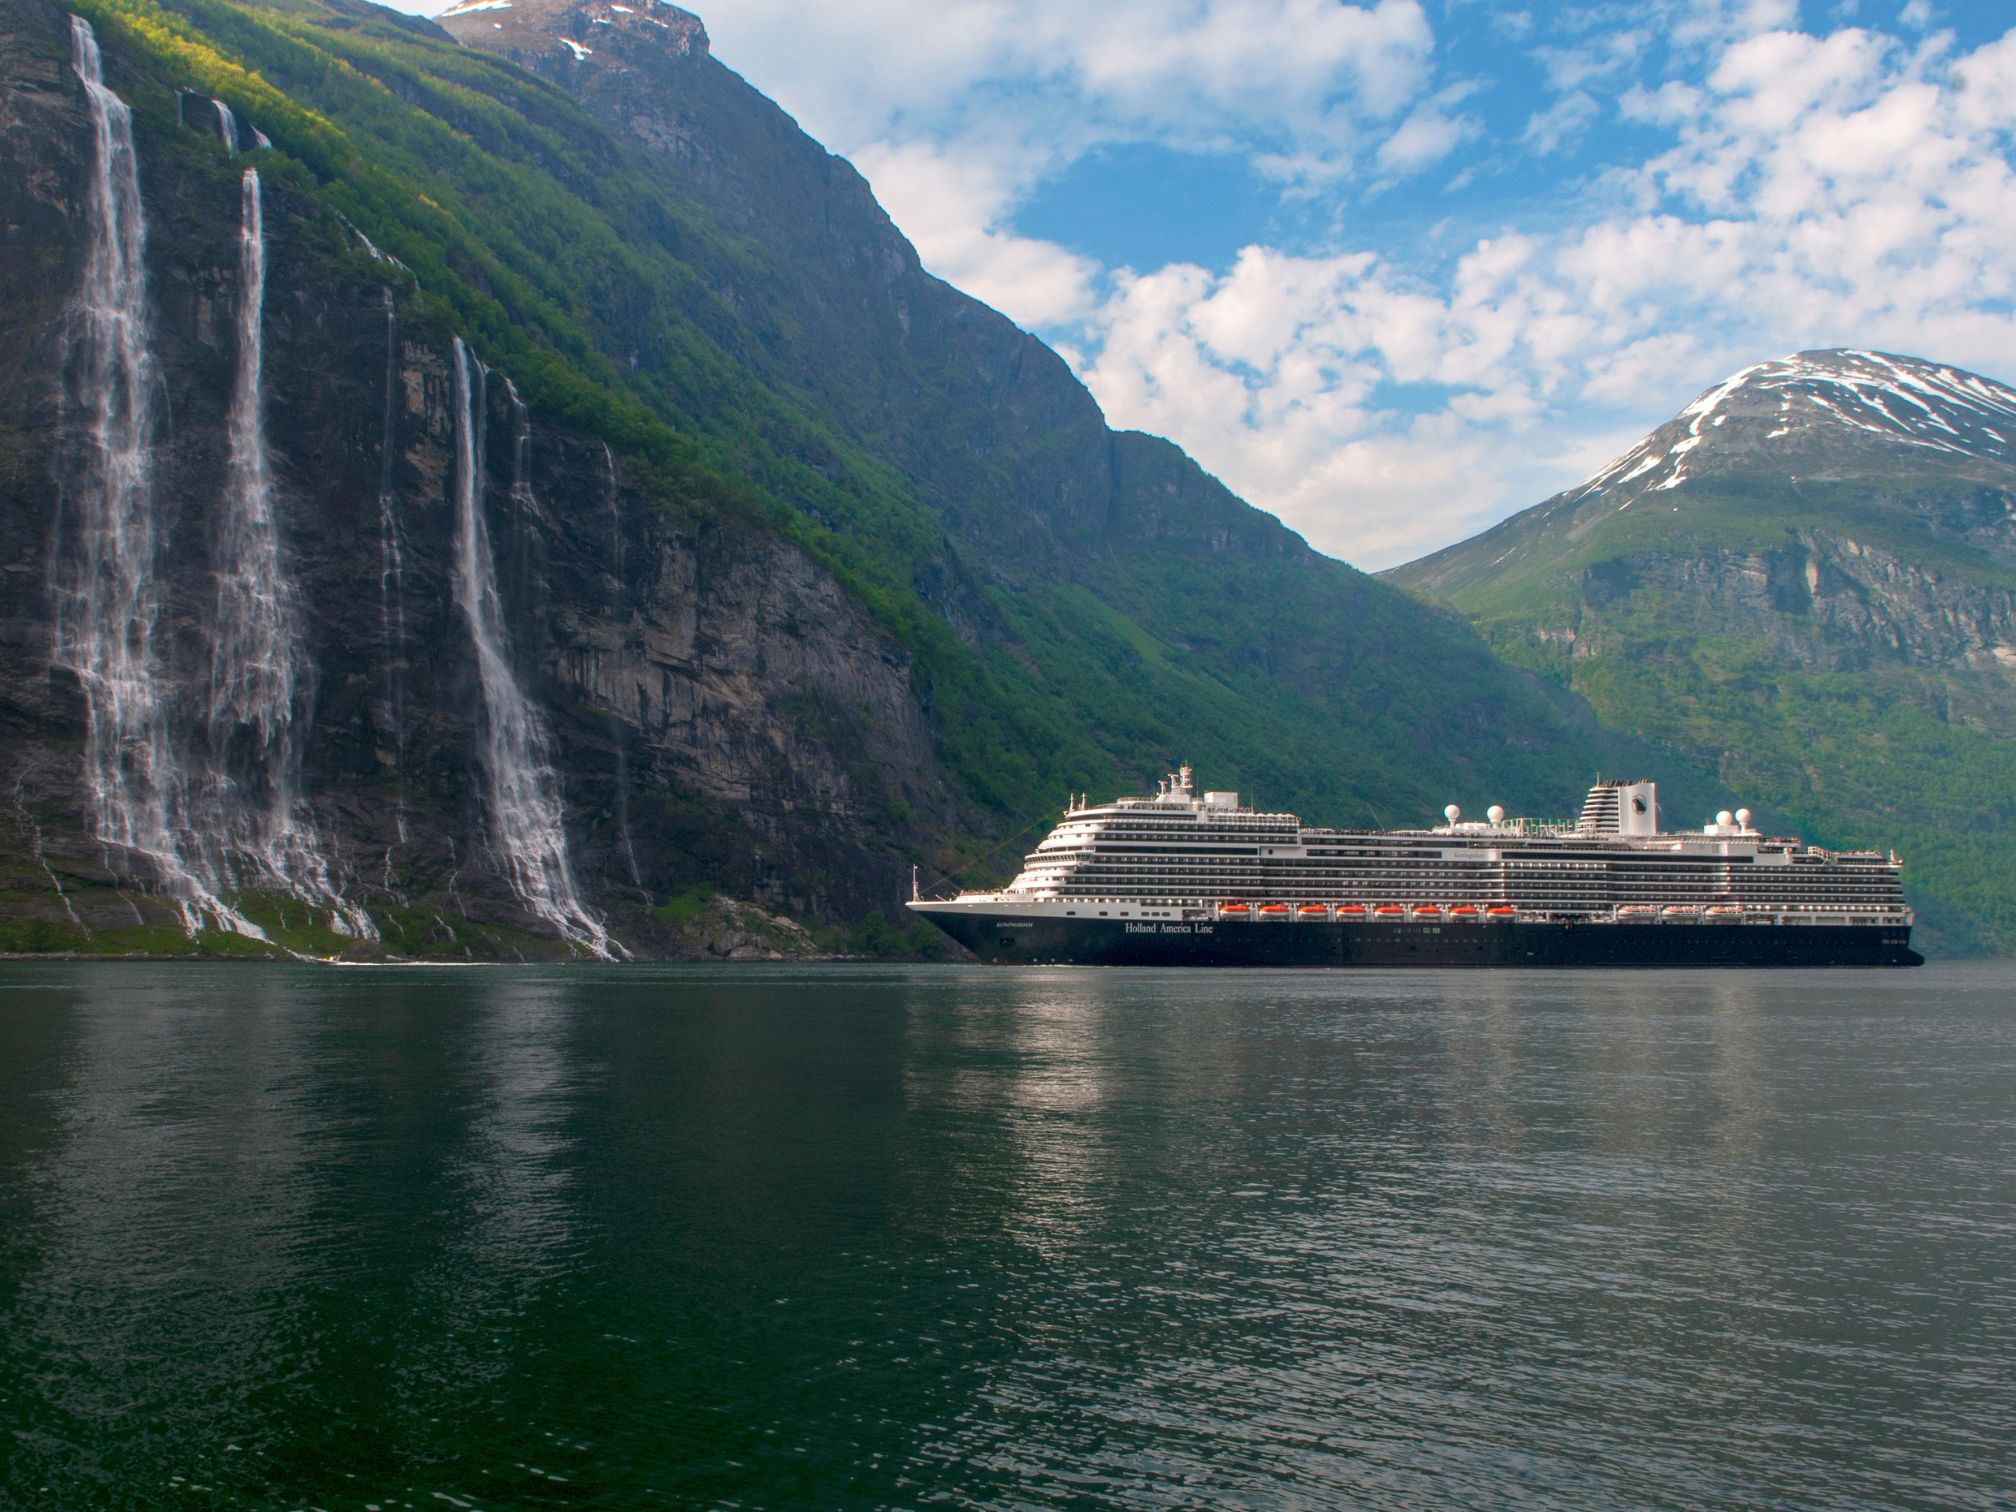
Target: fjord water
(862,1237)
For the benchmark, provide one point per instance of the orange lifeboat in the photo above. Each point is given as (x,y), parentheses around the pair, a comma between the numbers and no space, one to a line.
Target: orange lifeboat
(1232,910)
(1274,910)
(1389,911)
(1463,911)
(1427,910)
(1502,911)
(1350,910)
(1313,911)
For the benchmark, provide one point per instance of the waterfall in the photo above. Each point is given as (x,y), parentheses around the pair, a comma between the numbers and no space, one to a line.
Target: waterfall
(391,567)
(103,579)
(259,690)
(227,127)
(618,732)
(524,809)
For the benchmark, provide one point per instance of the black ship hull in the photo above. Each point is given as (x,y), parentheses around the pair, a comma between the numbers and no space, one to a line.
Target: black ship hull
(1004,939)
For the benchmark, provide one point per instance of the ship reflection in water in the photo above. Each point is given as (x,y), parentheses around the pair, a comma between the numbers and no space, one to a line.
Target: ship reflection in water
(1049,1237)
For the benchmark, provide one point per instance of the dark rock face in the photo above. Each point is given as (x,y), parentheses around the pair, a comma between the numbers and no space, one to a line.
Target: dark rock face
(719,708)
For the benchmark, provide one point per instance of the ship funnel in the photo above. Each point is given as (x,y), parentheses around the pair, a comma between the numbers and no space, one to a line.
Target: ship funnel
(1620,808)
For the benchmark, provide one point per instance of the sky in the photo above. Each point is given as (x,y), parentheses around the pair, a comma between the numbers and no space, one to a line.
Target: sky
(1395,270)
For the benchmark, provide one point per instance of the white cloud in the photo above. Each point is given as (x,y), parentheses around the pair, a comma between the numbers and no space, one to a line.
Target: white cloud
(1428,135)
(1561,123)
(952,208)
(1303,77)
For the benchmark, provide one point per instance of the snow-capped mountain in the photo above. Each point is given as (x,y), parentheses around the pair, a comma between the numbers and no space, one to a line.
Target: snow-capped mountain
(1826,410)
(1857,429)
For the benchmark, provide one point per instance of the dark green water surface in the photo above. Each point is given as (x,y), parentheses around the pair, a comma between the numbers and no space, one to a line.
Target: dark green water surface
(864,1237)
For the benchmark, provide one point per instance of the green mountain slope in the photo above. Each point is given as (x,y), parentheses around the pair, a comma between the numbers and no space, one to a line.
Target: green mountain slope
(1807,580)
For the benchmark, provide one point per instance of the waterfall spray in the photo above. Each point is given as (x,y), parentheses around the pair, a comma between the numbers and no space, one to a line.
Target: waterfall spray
(103,579)
(259,690)
(523,794)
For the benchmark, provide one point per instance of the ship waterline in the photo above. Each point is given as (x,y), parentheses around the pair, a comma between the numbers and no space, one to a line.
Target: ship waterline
(1181,878)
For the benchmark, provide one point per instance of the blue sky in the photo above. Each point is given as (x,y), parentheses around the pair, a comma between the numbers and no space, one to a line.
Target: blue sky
(1396,269)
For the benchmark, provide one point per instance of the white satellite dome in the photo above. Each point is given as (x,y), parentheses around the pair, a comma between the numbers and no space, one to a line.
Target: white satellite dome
(1743,817)
(1725,817)
(1495,813)
(1452,813)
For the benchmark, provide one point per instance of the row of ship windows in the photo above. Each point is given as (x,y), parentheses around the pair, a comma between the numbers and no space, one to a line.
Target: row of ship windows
(1386,885)
(1260,878)
(1432,845)
(1426,874)
(1173,863)
(1054,861)
(1169,907)
(1432,869)
(1611,857)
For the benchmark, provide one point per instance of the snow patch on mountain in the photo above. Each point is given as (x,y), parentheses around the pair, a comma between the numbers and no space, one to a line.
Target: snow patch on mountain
(1898,400)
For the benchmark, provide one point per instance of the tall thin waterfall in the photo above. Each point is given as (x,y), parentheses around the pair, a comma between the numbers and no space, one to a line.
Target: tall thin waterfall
(525,813)
(105,588)
(391,564)
(259,687)
(227,127)
(618,731)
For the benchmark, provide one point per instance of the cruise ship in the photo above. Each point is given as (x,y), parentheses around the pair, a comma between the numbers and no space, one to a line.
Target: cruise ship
(1189,879)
